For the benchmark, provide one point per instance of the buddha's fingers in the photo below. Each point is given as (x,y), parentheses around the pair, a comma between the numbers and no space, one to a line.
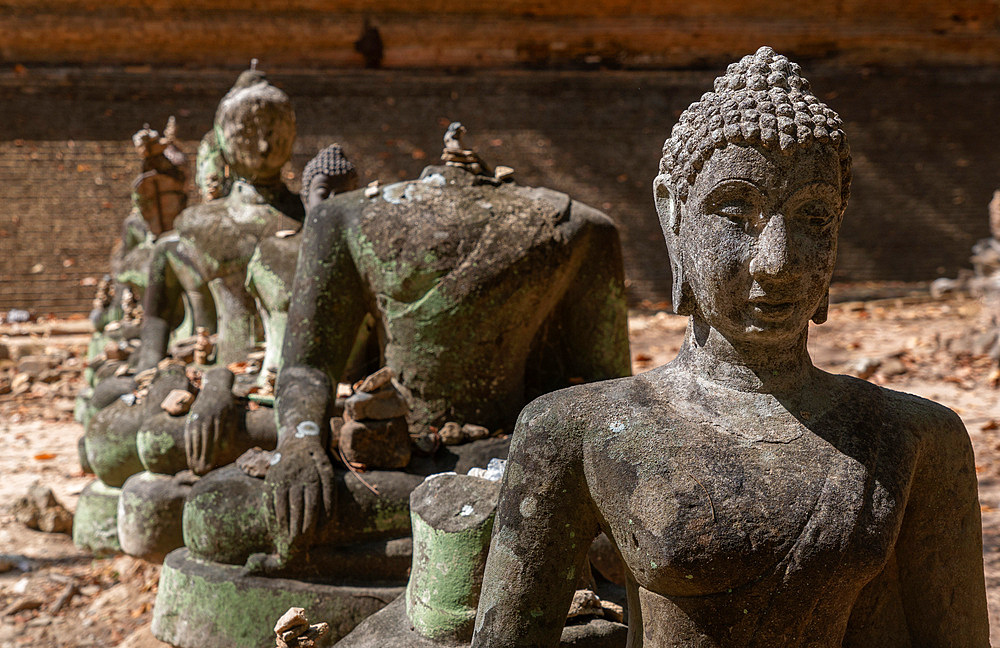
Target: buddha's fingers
(281,509)
(297,498)
(325,470)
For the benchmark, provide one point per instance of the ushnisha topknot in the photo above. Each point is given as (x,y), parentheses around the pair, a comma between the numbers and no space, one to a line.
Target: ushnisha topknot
(762,100)
(331,162)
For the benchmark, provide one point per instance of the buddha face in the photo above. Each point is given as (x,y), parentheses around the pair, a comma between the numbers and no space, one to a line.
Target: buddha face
(757,239)
(323,186)
(255,128)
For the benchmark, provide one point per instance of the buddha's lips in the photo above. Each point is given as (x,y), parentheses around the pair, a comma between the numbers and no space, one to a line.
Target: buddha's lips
(773,308)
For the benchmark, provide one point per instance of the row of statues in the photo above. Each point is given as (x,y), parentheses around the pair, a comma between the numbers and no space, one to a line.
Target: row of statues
(742,496)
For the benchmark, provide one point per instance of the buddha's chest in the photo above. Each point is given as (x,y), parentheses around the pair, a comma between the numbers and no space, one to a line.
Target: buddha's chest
(701,512)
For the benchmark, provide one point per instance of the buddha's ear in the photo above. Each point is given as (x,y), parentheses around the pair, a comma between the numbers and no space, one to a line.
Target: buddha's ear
(823,310)
(666,205)
(668,208)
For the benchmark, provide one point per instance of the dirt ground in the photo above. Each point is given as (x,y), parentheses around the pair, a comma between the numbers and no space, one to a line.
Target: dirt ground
(918,345)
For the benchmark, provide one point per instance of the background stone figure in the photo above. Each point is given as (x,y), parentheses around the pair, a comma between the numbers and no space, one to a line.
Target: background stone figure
(755,500)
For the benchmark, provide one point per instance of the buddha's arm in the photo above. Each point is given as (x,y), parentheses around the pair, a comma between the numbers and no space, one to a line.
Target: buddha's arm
(327,308)
(939,551)
(543,529)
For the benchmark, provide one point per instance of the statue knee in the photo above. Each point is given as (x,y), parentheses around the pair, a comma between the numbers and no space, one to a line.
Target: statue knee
(160,444)
(225,517)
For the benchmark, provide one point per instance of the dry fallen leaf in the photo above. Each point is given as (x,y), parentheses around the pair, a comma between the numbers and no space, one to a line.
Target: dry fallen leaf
(44,456)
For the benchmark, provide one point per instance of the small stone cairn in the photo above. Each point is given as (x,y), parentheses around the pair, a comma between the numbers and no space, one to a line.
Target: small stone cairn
(294,631)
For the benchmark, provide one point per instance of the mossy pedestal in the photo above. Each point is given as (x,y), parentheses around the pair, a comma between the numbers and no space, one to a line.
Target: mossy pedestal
(202,604)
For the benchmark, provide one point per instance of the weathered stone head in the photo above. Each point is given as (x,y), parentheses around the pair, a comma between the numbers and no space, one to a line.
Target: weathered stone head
(752,187)
(329,173)
(255,128)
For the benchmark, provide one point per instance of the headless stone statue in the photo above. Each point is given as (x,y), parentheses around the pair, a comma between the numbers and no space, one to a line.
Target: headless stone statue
(754,499)
(484,293)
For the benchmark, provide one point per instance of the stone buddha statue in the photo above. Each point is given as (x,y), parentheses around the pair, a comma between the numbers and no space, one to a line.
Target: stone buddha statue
(483,294)
(754,499)
(255,130)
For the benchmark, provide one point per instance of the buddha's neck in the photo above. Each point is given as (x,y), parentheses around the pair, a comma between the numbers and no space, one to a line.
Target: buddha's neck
(775,368)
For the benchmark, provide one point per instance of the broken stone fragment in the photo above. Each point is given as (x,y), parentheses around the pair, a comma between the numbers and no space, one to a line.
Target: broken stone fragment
(474,432)
(376,444)
(295,617)
(382,404)
(255,462)
(376,381)
(613,611)
(21,383)
(36,365)
(177,402)
(503,172)
(585,603)
(451,433)
(40,510)
(293,630)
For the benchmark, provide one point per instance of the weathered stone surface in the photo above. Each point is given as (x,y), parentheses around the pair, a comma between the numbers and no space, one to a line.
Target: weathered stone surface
(377,444)
(755,499)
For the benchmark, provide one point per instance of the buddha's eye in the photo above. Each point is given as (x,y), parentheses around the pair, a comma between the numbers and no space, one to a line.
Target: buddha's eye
(737,209)
(817,213)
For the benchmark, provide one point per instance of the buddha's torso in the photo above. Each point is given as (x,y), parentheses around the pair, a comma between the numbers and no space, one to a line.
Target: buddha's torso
(219,237)
(447,260)
(772,528)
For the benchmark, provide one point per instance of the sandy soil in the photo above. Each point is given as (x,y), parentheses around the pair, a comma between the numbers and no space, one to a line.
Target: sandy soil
(910,337)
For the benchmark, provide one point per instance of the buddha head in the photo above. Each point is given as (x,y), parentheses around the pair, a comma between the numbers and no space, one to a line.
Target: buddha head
(329,173)
(255,128)
(751,190)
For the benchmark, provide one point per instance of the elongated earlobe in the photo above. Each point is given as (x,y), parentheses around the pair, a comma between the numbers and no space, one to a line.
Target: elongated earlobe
(824,309)
(669,210)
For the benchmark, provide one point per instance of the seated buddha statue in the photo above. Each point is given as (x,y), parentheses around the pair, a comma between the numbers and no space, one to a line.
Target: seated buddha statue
(255,130)
(755,499)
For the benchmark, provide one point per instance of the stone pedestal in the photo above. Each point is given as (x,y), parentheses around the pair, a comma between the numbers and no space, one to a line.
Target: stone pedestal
(201,604)
(452,517)
(94,523)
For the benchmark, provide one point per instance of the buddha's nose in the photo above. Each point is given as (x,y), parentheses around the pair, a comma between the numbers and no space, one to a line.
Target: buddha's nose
(773,254)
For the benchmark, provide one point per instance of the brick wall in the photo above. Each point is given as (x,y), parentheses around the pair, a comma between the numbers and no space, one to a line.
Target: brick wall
(923,140)
(499,33)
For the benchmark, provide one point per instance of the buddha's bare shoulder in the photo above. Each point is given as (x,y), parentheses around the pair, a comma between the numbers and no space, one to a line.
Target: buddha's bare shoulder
(933,426)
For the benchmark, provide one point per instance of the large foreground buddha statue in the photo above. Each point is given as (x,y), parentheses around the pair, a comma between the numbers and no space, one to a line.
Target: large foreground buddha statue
(754,499)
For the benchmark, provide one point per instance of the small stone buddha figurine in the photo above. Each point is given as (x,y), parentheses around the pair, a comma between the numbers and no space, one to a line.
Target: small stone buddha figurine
(255,129)
(754,499)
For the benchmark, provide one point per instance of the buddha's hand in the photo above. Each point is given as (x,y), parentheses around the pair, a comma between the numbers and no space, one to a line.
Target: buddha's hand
(300,484)
(213,423)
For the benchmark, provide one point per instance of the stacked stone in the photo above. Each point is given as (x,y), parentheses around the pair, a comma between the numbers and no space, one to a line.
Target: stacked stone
(375,433)
(294,631)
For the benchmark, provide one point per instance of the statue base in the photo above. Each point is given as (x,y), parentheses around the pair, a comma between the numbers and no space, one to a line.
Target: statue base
(149,514)
(95,526)
(203,604)
(391,628)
